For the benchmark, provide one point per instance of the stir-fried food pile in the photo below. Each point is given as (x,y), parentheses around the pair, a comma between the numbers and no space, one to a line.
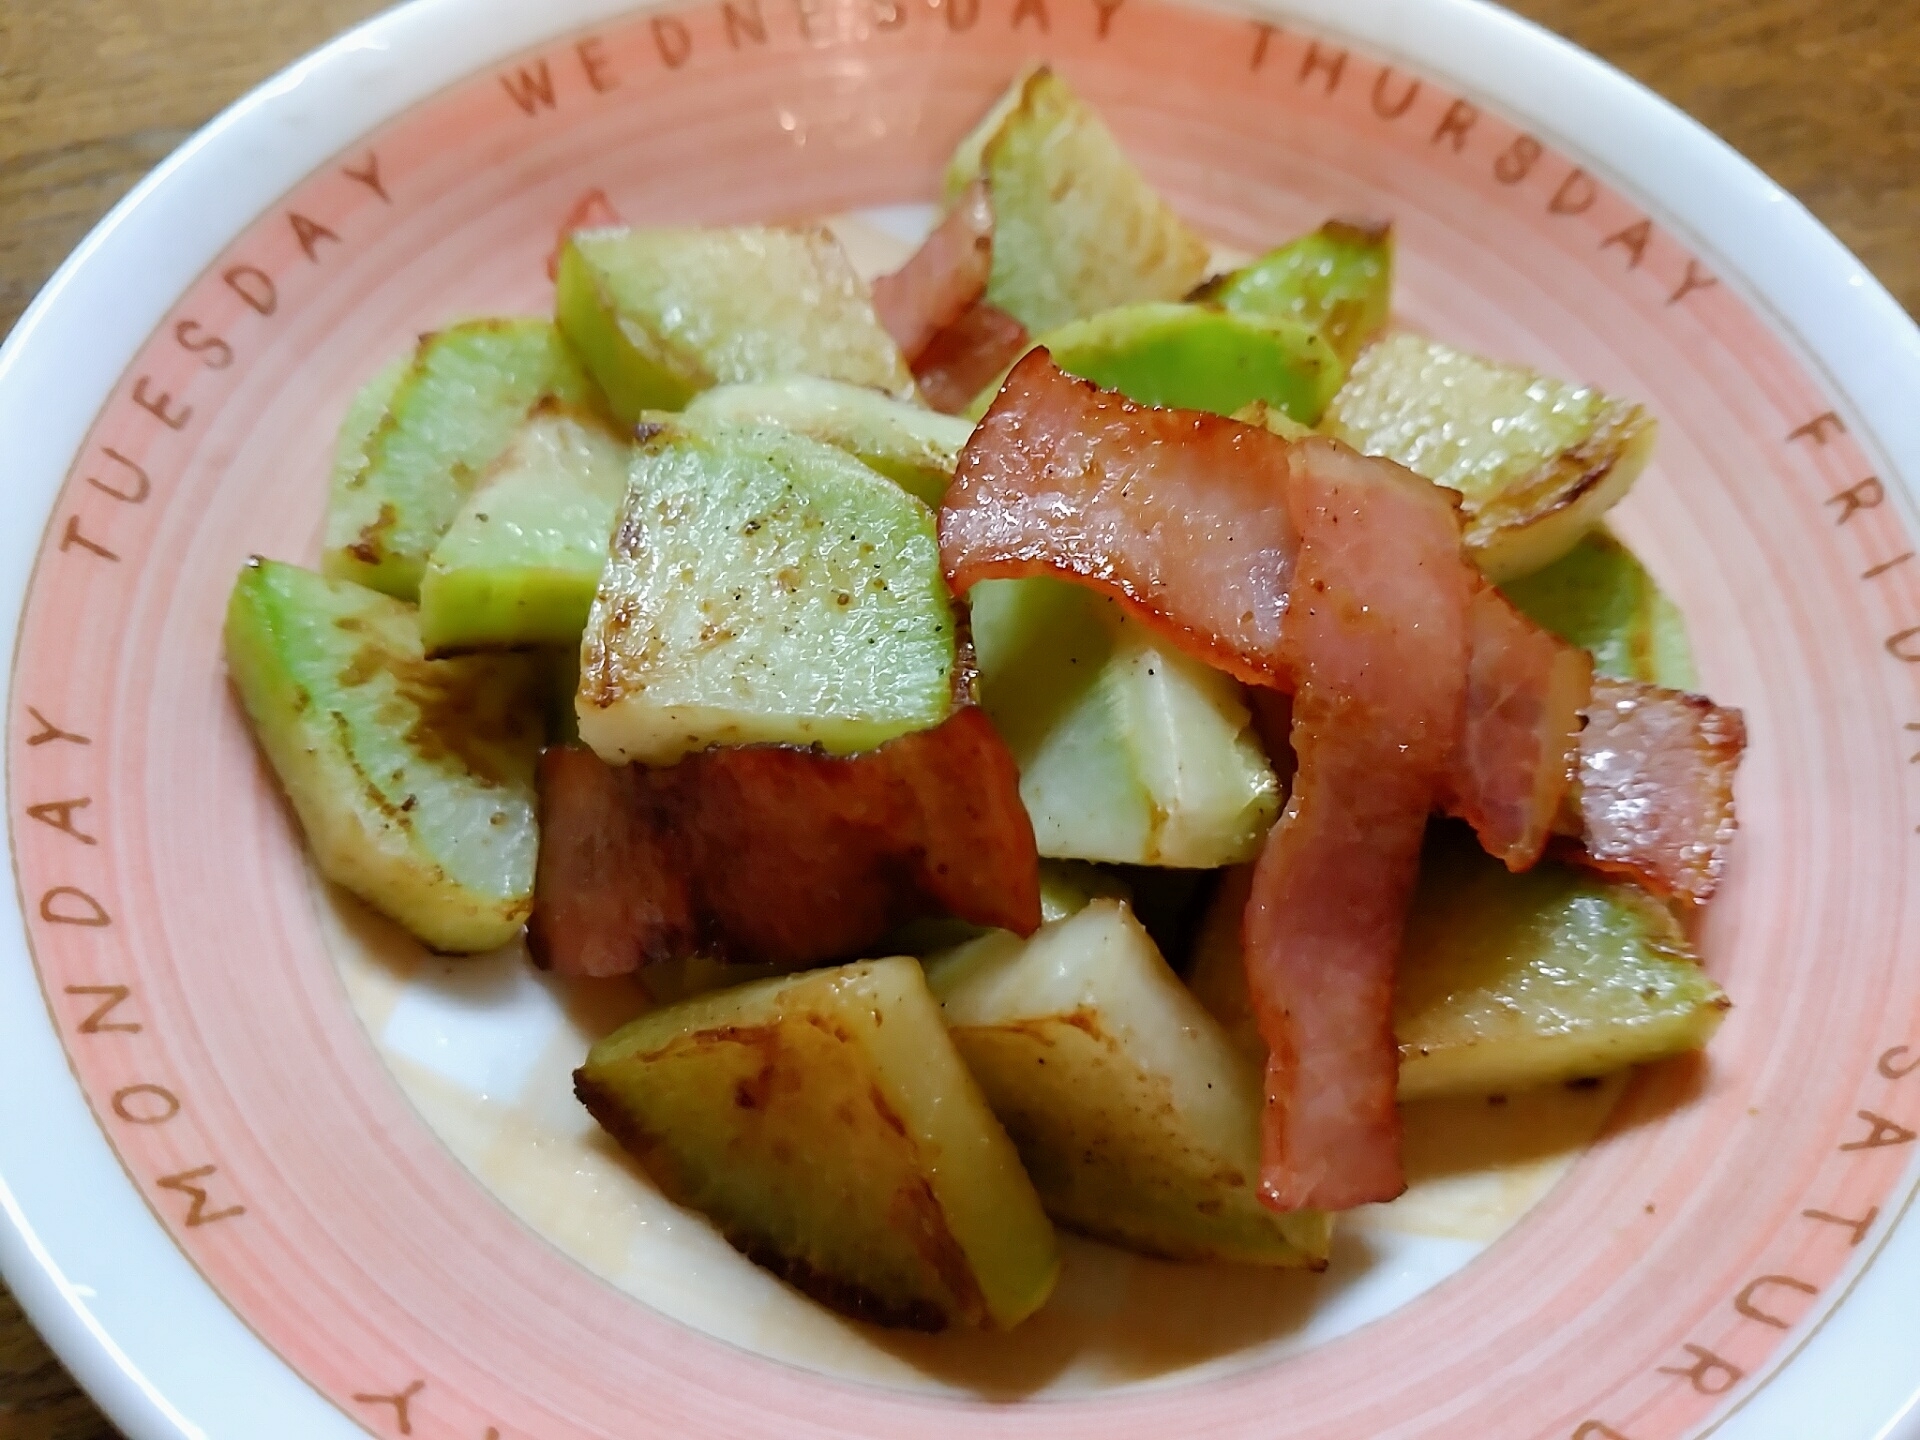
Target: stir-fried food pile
(1066,737)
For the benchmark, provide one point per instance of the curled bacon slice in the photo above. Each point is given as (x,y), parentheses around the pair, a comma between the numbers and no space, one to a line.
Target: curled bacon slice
(935,308)
(1376,637)
(941,279)
(1177,514)
(1521,741)
(1180,516)
(779,856)
(1655,792)
(1309,569)
(967,356)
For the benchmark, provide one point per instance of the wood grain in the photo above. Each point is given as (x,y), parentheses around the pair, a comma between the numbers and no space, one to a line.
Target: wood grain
(1823,94)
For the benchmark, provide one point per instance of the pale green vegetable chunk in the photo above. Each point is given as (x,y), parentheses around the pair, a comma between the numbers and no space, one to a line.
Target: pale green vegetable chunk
(1507,981)
(1076,228)
(660,315)
(968,160)
(1556,974)
(1135,1115)
(412,778)
(763,588)
(825,1123)
(522,559)
(365,412)
(446,419)
(1599,596)
(1338,280)
(1537,461)
(1191,357)
(1129,750)
(912,446)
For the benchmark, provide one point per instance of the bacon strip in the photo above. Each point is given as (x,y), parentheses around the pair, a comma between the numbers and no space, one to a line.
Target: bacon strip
(1177,514)
(1376,638)
(1655,792)
(1307,568)
(967,356)
(942,278)
(780,856)
(935,308)
(1525,690)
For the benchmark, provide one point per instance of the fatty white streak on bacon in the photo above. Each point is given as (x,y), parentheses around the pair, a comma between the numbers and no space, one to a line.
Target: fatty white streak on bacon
(1376,636)
(942,278)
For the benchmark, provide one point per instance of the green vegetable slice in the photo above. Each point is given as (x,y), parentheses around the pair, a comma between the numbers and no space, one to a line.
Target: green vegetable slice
(1077,229)
(763,588)
(398,485)
(1537,461)
(1129,750)
(1190,357)
(826,1125)
(912,446)
(521,561)
(1337,280)
(660,315)
(1134,1114)
(412,778)
(1599,596)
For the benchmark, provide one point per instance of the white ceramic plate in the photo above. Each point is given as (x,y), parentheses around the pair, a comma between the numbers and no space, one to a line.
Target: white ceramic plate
(376,1243)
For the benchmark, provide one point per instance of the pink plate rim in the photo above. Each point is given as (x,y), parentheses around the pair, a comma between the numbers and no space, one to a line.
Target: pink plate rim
(98,1274)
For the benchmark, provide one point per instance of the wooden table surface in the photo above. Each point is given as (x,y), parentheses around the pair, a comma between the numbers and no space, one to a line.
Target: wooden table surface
(1823,94)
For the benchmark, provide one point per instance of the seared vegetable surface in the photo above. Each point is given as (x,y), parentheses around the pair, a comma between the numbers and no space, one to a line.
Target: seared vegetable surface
(1076,228)
(912,446)
(763,587)
(412,778)
(522,559)
(449,414)
(1137,1118)
(826,1125)
(1537,462)
(660,315)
